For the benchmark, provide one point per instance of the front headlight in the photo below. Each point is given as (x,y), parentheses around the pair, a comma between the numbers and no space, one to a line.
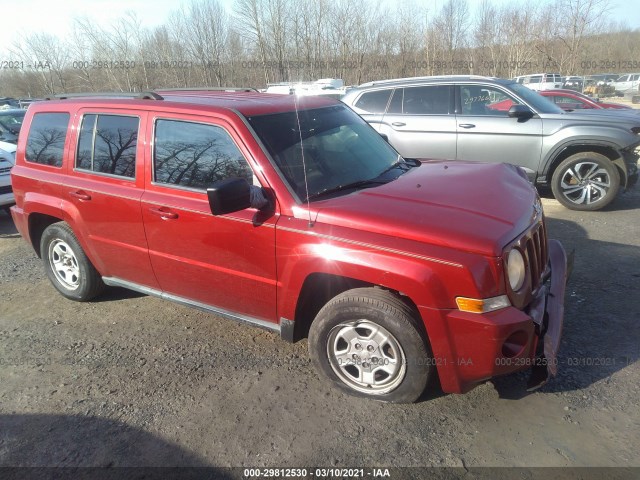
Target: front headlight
(515,269)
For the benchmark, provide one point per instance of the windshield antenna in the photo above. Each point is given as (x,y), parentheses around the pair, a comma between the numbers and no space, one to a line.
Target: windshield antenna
(304,165)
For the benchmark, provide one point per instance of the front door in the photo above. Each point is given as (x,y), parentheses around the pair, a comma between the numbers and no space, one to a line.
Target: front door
(487,134)
(226,261)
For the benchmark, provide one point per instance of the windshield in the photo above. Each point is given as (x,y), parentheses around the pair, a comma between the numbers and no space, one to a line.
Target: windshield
(539,103)
(338,150)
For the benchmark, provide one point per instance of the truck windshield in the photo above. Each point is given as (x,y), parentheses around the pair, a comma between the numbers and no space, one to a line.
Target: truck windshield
(338,151)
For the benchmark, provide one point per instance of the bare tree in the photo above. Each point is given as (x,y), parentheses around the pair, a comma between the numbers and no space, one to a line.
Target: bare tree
(582,18)
(452,25)
(48,57)
(250,20)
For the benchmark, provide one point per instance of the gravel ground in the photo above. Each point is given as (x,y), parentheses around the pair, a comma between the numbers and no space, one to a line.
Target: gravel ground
(132,380)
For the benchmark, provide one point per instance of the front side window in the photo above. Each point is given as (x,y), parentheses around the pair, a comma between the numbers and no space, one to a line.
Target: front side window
(45,143)
(195,155)
(485,100)
(107,144)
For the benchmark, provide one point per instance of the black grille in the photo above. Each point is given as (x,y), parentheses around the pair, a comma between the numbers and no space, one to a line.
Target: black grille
(536,253)
(5,189)
(533,246)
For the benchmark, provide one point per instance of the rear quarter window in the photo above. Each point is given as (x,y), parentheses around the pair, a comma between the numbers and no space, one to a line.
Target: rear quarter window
(374,102)
(45,143)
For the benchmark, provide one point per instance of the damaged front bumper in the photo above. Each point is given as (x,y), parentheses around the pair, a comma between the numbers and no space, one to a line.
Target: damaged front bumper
(477,347)
(547,312)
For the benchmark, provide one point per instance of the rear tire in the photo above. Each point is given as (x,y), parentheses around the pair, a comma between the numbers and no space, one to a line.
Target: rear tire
(368,343)
(67,265)
(585,181)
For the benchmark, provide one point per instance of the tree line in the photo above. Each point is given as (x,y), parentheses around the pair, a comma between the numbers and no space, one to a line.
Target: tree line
(268,41)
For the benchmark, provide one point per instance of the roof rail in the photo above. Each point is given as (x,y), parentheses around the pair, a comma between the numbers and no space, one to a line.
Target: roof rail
(417,79)
(135,95)
(209,89)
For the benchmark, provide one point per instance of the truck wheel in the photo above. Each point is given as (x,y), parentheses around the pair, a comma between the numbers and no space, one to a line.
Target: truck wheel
(66,264)
(585,181)
(367,342)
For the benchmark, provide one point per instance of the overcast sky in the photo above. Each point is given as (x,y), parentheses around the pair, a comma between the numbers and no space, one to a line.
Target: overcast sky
(22,17)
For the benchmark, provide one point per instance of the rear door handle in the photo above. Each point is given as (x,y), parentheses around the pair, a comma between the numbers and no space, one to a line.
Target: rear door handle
(398,124)
(80,195)
(467,125)
(163,214)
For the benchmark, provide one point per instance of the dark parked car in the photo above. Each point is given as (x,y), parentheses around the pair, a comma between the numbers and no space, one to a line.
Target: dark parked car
(8,102)
(11,120)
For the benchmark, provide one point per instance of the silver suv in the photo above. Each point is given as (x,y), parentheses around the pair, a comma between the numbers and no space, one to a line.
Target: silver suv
(585,160)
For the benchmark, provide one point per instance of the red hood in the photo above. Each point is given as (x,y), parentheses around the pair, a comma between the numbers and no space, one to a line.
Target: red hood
(474,207)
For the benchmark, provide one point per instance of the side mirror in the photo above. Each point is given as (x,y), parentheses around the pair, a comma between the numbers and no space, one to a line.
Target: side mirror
(229,195)
(385,137)
(520,111)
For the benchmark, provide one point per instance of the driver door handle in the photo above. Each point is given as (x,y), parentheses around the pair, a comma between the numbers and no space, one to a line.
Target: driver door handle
(467,125)
(165,215)
(398,124)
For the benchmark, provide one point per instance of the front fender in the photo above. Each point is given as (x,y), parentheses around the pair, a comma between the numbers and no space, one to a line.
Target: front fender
(430,283)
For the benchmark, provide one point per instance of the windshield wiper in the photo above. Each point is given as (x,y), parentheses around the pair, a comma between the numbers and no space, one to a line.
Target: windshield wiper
(372,182)
(347,186)
(397,164)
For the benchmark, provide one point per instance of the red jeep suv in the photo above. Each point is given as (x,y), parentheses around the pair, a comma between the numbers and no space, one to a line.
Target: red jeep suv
(294,215)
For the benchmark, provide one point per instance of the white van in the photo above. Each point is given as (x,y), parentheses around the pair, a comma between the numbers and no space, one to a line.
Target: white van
(540,81)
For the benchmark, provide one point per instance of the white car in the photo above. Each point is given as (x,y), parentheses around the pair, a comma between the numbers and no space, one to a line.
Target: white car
(7,160)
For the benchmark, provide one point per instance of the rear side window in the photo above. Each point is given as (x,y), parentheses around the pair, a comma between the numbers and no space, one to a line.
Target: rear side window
(195,155)
(107,144)
(45,143)
(429,100)
(374,102)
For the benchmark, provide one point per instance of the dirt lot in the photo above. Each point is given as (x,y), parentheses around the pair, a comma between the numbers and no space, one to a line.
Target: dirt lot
(133,380)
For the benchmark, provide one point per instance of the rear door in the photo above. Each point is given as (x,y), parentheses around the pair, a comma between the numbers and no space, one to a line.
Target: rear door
(487,134)
(105,184)
(226,261)
(420,122)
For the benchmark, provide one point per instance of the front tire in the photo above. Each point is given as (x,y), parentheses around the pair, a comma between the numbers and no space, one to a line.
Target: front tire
(368,343)
(585,181)
(66,264)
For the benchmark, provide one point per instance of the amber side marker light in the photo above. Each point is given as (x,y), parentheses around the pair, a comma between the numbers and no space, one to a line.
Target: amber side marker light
(482,305)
